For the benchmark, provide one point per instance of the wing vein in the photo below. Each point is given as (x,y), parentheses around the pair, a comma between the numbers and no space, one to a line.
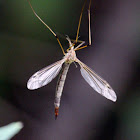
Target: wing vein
(45,75)
(96,82)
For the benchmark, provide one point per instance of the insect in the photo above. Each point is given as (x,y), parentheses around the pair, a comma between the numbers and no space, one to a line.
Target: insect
(47,74)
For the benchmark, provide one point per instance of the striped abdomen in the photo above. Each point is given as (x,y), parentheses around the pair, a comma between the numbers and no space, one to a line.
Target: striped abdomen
(60,84)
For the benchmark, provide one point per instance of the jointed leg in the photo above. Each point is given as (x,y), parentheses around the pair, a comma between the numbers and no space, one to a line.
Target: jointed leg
(78,47)
(80,20)
(81,43)
(47,27)
(60,45)
(89,23)
(74,42)
(81,47)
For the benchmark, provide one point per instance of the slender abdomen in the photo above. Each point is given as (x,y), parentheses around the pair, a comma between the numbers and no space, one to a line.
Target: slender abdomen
(59,87)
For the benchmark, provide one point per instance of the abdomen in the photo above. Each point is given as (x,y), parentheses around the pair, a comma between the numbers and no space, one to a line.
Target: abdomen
(60,84)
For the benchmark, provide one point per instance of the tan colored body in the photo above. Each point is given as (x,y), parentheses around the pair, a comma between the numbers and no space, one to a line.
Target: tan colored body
(69,58)
(47,74)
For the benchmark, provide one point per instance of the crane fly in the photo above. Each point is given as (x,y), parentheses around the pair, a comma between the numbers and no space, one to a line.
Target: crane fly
(47,74)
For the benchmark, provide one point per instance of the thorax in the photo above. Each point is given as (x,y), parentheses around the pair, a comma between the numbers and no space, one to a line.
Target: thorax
(70,56)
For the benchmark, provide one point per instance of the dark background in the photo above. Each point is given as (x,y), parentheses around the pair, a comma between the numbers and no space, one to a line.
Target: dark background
(26,46)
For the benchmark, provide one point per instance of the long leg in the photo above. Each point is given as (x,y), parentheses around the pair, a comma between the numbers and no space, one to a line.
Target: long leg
(89,23)
(64,37)
(80,20)
(81,43)
(79,47)
(74,42)
(47,27)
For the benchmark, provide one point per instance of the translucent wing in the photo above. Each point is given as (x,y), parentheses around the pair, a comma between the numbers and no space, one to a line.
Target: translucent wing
(45,75)
(96,82)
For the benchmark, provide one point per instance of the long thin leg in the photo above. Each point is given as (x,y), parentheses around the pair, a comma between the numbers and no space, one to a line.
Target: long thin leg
(81,43)
(80,20)
(79,47)
(74,42)
(64,37)
(89,23)
(47,27)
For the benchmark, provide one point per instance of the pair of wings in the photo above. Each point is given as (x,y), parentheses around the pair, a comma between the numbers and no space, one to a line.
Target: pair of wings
(47,74)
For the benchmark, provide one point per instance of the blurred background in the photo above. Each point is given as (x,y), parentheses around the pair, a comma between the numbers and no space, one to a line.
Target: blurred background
(26,46)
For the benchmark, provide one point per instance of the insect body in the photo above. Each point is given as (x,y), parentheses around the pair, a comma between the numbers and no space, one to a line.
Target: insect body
(59,87)
(47,74)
